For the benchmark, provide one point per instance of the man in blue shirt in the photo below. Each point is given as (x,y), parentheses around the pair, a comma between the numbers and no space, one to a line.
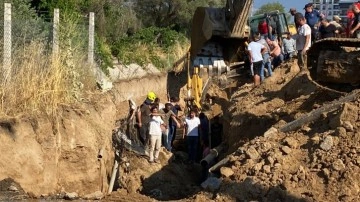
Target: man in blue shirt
(312,17)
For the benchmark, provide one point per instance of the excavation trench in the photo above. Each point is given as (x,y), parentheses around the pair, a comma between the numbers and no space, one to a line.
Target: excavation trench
(251,161)
(60,157)
(173,178)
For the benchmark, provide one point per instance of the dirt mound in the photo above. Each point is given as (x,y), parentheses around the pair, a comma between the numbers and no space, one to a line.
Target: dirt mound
(316,162)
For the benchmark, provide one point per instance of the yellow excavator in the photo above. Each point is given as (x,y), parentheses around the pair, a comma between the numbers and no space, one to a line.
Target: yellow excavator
(219,41)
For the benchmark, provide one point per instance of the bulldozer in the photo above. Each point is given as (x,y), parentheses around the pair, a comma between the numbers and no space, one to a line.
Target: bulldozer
(218,49)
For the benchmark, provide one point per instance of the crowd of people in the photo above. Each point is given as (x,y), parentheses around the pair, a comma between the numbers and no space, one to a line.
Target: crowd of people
(157,124)
(266,51)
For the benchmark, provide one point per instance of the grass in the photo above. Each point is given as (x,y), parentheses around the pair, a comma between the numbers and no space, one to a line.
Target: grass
(40,82)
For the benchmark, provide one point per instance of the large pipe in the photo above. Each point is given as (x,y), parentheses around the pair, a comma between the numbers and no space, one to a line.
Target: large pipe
(210,158)
(219,164)
(113,176)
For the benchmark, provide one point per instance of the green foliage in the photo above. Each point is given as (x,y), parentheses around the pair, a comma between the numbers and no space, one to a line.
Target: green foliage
(149,45)
(103,54)
(71,8)
(26,26)
(139,31)
(175,14)
(266,8)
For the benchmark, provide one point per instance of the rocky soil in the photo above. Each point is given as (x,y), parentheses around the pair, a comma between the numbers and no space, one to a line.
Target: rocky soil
(317,161)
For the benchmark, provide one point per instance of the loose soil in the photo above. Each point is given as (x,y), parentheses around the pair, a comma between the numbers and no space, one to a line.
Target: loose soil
(317,162)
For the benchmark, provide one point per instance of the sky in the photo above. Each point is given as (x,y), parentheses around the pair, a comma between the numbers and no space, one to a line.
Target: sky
(298,4)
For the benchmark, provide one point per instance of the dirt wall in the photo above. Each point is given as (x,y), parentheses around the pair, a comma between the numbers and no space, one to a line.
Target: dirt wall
(48,156)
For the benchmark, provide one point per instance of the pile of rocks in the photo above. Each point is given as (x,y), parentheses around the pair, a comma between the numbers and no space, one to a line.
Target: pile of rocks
(319,162)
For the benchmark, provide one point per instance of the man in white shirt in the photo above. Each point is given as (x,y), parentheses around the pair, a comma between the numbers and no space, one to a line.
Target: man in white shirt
(303,41)
(255,51)
(192,124)
(155,135)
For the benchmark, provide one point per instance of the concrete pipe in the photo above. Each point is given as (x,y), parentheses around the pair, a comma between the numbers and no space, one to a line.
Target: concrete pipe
(210,158)
(219,165)
(113,175)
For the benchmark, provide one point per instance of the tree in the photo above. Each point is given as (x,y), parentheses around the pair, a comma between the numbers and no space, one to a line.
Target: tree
(266,8)
(176,14)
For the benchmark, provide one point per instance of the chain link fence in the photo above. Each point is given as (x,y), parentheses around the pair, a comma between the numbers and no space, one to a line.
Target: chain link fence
(27,27)
(27,51)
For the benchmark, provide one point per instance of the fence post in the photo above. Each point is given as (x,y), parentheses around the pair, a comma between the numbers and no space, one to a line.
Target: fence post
(91,38)
(56,33)
(7,43)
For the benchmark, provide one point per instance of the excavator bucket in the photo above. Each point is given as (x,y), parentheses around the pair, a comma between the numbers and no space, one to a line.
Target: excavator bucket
(228,22)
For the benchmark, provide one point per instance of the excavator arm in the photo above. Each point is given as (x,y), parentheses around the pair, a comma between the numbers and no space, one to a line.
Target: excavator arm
(216,38)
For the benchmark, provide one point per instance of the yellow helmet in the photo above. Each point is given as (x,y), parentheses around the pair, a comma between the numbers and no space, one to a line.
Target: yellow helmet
(151,96)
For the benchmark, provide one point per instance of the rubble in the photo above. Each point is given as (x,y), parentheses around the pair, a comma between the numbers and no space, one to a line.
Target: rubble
(315,162)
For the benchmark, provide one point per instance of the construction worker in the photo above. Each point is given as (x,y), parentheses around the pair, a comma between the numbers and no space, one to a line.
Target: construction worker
(143,117)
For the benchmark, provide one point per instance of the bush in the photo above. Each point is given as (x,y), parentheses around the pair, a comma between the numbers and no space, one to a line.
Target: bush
(158,46)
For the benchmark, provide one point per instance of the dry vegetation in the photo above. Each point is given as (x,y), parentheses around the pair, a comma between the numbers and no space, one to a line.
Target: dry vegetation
(40,81)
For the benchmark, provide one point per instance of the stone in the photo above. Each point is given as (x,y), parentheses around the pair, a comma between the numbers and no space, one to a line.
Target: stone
(252,153)
(295,178)
(272,131)
(270,160)
(327,143)
(358,161)
(302,176)
(212,184)
(267,169)
(98,195)
(12,188)
(286,149)
(71,196)
(306,129)
(316,139)
(340,131)
(326,173)
(266,146)
(338,165)
(348,126)
(277,166)
(291,142)
(237,163)
(258,166)
(226,171)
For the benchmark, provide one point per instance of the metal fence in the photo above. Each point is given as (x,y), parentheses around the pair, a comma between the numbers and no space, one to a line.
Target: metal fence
(22,26)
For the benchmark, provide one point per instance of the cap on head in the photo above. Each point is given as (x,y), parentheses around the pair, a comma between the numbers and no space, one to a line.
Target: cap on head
(151,96)
(308,5)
